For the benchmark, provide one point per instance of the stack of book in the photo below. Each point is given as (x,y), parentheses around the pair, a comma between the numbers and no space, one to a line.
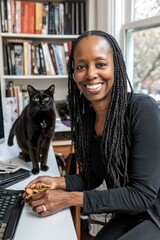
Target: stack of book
(43,18)
(25,57)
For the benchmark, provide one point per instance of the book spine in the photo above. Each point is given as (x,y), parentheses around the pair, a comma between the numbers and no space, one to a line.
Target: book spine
(64,62)
(42,62)
(32,18)
(60,59)
(5,59)
(53,58)
(61,18)
(9,16)
(18,17)
(56,18)
(13,14)
(5,16)
(25,58)
(45,18)
(39,15)
(9,60)
(2,16)
(25,17)
(47,58)
(66,52)
(19,65)
(56,59)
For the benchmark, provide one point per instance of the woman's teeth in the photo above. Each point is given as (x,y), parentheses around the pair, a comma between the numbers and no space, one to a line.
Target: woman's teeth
(95,86)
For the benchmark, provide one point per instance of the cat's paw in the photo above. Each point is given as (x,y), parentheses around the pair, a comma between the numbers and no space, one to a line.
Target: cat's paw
(10,143)
(44,168)
(35,171)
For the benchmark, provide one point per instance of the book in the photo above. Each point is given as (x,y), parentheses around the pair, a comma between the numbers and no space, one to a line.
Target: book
(2,16)
(11,91)
(64,59)
(39,16)
(17,28)
(66,52)
(56,17)
(17,45)
(42,62)
(82,20)
(12,55)
(9,20)
(5,16)
(54,59)
(9,60)
(67,18)
(32,18)
(45,18)
(59,58)
(13,14)
(51,19)
(47,58)
(19,58)
(37,66)
(77,18)
(61,18)
(73,22)
(18,95)
(5,59)
(27,17)
(27,57)
(69,46)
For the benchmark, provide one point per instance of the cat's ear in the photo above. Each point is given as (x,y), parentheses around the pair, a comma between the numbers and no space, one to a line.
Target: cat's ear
(31,89)
(51,89)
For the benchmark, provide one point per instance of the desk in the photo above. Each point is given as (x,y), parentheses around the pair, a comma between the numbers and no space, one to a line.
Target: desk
(62,144)
(31,226)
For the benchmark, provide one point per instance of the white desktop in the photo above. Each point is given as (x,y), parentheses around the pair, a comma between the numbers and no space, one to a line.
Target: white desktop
(31,226)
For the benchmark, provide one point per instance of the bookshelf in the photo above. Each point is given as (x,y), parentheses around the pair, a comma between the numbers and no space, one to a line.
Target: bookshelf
(40,80)
(43,81)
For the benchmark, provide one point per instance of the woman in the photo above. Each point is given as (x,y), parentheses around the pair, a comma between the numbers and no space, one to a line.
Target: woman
(116,135)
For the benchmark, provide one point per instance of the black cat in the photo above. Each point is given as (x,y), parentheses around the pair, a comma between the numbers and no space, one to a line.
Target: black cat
(34,128)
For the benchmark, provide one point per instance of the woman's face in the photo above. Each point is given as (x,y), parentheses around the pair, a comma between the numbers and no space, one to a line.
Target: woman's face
(94,68)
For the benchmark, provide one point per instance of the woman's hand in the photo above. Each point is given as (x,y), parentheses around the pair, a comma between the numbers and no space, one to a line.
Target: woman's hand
(53,182)
(52,201)
(49,201)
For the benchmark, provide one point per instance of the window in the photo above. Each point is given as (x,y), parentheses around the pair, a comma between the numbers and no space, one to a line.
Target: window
(142,48)
(145,8)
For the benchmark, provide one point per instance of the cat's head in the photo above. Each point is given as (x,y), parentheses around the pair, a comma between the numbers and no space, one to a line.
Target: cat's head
(41,100)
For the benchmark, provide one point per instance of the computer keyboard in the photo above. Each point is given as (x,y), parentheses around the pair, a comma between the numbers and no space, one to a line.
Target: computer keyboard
(11,205)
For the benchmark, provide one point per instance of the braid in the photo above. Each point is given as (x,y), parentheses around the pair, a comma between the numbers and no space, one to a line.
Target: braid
(113,140)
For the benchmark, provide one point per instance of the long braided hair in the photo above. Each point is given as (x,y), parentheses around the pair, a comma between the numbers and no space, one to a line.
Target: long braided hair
(113,144)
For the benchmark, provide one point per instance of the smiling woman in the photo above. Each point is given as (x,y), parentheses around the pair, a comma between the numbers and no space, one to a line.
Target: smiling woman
(94,69)
(113,142)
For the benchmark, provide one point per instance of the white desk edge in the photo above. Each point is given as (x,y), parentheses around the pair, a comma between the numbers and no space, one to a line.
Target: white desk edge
(31,226)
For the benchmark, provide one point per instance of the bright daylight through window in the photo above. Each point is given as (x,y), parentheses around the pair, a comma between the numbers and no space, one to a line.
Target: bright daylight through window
(144,41)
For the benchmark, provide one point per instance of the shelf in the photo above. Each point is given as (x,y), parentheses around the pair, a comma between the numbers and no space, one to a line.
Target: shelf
(38,77)
(38,36)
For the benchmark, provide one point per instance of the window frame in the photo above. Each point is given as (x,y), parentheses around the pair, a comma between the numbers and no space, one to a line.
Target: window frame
(127,29)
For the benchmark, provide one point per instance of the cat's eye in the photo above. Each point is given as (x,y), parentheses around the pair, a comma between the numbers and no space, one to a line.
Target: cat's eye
(36,99)
(46,99)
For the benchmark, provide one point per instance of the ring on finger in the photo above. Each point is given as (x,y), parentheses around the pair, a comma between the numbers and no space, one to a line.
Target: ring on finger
(44,208)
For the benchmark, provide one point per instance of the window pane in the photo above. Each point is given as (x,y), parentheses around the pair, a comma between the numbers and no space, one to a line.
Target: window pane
(146,61)
(145,8)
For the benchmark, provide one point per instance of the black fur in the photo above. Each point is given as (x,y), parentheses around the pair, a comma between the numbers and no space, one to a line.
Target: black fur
(34,128)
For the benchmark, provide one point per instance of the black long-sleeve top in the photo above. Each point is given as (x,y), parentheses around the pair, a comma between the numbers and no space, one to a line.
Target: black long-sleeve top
(141,193)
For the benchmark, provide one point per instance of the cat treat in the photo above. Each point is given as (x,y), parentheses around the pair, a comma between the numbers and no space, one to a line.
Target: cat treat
(36,188)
